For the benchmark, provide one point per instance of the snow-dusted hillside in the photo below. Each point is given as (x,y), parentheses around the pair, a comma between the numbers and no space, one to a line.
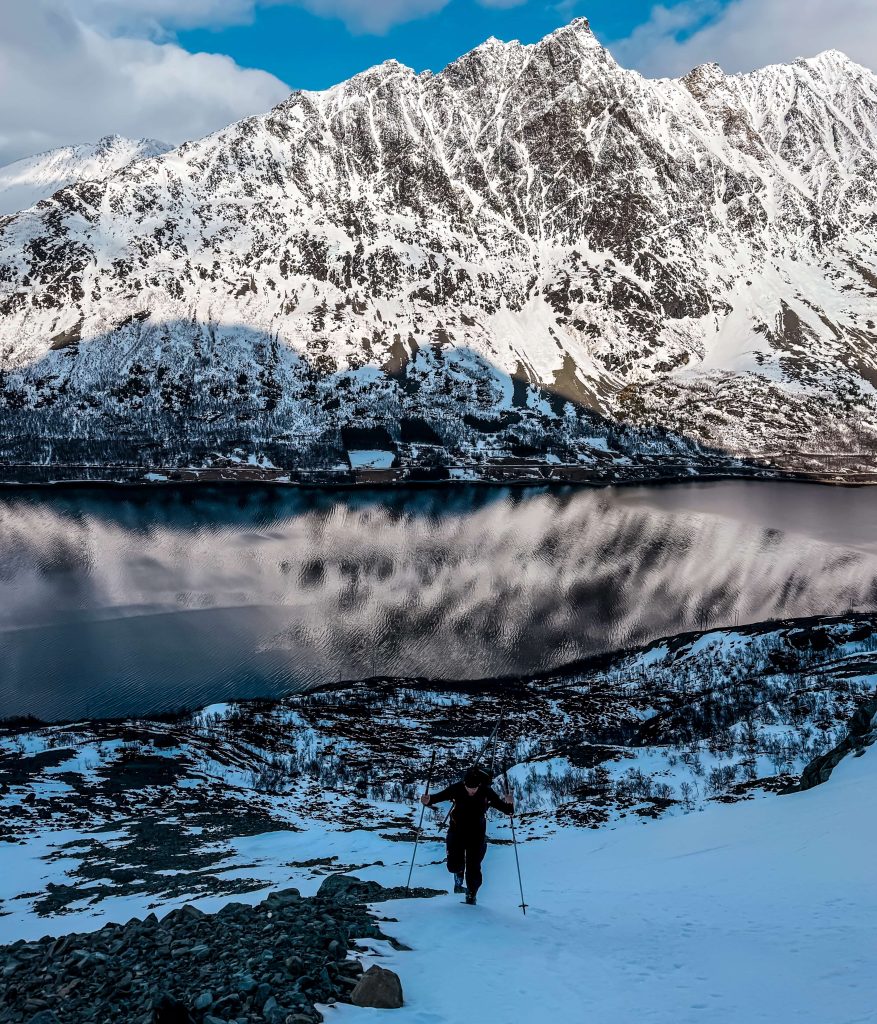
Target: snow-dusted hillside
(501,259)
(687,722)
(27,181)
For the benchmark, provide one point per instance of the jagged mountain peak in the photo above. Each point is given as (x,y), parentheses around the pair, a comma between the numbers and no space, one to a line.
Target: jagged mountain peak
(577,31)
(574,38)
(390,68)
(578,28)
(835,70)
(831,58)
(146,146)
(390,74)
(703,79)
(710,72)
(829,70)
(491,43)
(497,56)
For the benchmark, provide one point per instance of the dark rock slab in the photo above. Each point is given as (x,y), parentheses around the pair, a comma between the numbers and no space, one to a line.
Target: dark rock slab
(349,889)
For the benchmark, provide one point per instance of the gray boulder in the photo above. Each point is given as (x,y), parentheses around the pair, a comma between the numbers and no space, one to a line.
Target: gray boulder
(378,988)
(204,1001)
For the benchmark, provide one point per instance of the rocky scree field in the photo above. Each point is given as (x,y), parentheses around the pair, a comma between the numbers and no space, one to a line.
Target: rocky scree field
(270,962)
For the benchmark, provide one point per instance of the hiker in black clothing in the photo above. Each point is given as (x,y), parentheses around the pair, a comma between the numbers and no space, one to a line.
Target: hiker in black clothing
(467,834)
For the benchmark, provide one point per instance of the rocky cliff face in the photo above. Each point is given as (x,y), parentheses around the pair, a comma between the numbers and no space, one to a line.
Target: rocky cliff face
(506,258)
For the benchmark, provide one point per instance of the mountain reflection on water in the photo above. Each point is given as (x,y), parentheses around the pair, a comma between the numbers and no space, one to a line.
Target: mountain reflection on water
(118,602)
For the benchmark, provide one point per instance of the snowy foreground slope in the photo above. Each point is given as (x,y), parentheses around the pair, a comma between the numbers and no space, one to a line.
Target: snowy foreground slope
(680,859)
(759,912)
(499,262)
(27,181)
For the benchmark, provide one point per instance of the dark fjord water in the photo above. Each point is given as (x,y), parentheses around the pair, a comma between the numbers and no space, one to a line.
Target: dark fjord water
(116,602)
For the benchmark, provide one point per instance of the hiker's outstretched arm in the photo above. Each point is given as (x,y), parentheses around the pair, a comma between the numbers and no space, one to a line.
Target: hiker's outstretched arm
(507,806)
(428,799)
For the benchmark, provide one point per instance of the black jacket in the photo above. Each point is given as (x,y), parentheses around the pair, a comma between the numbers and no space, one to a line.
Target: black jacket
(470,812)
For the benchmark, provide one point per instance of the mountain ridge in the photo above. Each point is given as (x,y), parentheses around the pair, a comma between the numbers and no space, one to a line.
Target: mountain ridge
(26,181)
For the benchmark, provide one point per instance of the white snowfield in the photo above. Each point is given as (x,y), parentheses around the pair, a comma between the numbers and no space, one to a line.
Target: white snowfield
(763,911)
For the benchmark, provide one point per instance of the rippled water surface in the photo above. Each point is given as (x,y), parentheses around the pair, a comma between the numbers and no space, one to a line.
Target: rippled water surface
(125,601)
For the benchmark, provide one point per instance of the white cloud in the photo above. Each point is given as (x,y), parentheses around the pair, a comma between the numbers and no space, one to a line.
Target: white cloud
(63,81)
(503,4)
(374,16)
(157,17)
(746,34)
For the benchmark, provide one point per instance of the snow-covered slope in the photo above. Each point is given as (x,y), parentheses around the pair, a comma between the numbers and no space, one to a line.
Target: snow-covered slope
(635,920)
(762,912)
(658,923)
(27,181)
(511,249)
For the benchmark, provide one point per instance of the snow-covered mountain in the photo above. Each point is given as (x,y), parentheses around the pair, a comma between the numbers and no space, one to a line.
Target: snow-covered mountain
(502,259)
(27,181)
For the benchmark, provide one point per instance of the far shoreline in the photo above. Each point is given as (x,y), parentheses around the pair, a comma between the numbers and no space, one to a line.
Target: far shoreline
(521,475)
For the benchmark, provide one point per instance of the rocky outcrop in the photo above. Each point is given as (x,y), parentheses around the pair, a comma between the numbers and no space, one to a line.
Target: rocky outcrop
(862,734)
(267,963)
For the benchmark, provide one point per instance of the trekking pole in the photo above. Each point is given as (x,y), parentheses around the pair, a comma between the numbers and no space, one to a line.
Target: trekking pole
(490,739)
(493,755)
(419,825)
(495,743)
(522,904)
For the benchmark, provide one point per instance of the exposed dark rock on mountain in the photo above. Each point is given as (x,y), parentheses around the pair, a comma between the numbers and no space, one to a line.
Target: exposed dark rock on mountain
(521,251)
(862,734)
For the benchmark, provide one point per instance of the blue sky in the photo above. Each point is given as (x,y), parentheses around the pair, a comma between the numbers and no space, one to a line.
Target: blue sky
(310,51)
